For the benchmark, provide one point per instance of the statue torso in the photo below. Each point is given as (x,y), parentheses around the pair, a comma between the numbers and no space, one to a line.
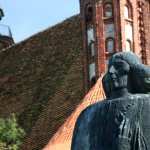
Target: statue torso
(114,125)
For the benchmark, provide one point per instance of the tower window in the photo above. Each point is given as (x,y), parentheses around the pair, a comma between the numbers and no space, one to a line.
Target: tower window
(89,13)
(90,35)
(128,45)
(128,11)
(109,45)
(92,48)
(128,26)
(109,30)
(129,31)
(92,72)
(108,10)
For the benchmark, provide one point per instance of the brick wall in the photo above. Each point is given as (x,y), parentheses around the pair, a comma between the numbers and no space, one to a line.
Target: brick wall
(139,22)
(41,80)
(147,28)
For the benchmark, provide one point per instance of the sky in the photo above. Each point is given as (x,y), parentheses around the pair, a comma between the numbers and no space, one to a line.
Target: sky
(27,17)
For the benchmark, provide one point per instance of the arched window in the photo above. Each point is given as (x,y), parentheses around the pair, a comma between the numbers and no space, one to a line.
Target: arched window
(108,10)
(128,45)
(109,26)
(128,16)
(128,11)
(110,44)
(89,13)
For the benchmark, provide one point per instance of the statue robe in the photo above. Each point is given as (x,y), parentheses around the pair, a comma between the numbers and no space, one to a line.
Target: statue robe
(118,124)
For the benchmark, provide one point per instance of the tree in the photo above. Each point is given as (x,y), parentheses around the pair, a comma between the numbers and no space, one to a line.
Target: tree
(11,135)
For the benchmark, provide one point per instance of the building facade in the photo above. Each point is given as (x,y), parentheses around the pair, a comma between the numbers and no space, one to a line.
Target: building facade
(111,26)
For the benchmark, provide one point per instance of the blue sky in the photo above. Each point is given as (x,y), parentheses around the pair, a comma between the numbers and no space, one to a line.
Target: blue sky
(27,17)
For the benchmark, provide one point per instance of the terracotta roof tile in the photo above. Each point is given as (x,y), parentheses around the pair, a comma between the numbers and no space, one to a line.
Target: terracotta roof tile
(62,138)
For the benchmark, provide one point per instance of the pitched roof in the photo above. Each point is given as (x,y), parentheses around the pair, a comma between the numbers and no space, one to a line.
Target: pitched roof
(41,80)
(62,139)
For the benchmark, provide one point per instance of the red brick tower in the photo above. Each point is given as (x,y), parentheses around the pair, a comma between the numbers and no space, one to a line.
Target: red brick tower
(110,26)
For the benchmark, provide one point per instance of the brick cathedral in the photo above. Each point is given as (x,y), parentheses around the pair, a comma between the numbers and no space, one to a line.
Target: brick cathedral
(49,78)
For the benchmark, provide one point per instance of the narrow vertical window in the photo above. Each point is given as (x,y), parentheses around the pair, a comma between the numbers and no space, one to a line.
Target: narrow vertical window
(108,10)
(90,40)
(92,72)
(109,30)
(90,35)
(89,13)
(129,31)
(128,26)
(109,37)
(109,27)
(109,45)
(92,48)
(126,12)
(128,46)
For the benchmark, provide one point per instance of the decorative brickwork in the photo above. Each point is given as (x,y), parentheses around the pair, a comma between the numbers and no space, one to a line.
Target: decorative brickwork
(147,28)
(142,30)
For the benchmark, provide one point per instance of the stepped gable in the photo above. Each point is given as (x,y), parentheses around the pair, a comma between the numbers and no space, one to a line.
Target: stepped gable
(62,139)
(43,72)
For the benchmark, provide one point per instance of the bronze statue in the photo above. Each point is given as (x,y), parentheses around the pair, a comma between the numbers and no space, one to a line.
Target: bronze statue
(122,121)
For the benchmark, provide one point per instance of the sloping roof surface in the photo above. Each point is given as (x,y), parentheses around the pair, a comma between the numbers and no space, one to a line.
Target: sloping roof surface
(41,80)
(62,139)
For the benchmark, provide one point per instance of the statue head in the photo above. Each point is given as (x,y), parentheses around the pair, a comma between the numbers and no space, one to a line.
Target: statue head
(118,71)
(125,71)
(116,78)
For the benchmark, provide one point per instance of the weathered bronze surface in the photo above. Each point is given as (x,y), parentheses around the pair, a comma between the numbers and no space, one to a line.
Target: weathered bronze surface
(122,121)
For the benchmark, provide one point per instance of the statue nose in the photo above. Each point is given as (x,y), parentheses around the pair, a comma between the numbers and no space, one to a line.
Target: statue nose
(112,70)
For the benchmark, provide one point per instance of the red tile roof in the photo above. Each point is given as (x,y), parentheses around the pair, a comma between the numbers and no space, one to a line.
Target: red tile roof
(62,139)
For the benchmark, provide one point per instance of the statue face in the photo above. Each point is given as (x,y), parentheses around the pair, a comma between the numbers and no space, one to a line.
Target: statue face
(118,72)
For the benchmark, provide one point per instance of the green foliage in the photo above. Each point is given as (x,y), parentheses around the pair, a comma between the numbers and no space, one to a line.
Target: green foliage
(11,134)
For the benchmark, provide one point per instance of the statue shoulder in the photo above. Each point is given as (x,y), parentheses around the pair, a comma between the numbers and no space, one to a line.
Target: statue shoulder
(90,110)
(81,133)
